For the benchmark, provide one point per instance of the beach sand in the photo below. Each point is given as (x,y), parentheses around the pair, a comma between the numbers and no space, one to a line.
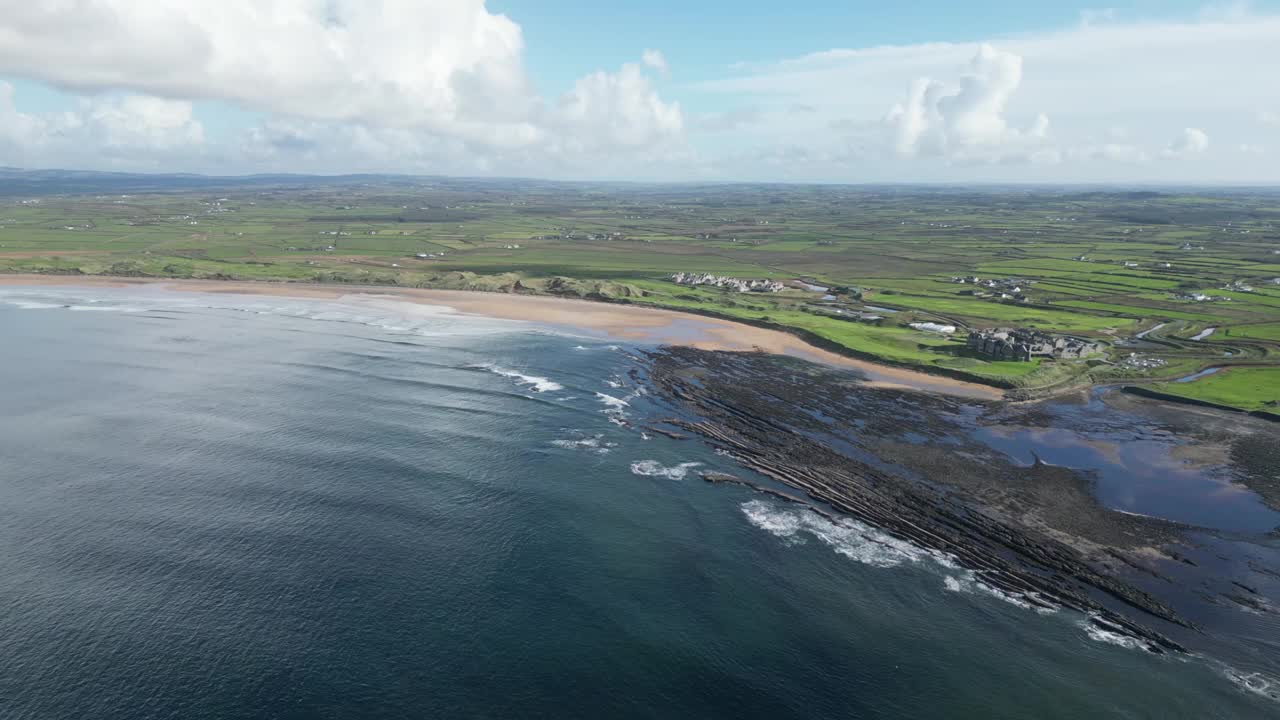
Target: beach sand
(624,322)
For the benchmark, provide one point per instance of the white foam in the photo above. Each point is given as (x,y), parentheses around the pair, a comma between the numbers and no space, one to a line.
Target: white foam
(540,384)
(865,544)
(653,468)
(1252,682)
(32,305)
(847,537)
(613,383)
(1100,634)
(389,314)
(613,403)
(967,581)
(105,308)
(615,408)
(594,444)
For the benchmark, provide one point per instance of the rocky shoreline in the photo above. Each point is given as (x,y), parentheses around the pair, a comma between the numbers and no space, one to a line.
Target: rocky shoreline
(891,460)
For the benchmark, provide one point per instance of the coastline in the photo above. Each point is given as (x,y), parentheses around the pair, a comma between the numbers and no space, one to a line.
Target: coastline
(623,322)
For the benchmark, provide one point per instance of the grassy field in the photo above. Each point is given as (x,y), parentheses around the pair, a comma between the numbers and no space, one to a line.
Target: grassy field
(1245,388)
(1103,265)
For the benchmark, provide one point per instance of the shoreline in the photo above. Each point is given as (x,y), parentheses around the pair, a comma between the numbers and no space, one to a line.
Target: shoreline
(612,320)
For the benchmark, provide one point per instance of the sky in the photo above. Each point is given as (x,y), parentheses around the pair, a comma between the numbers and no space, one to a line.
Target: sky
(714,90)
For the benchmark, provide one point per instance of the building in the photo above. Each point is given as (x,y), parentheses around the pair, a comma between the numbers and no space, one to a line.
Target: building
(727,282)
(934,328)
(1024,345)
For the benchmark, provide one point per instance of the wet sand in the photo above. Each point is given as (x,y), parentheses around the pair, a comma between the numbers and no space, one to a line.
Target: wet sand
(624,322)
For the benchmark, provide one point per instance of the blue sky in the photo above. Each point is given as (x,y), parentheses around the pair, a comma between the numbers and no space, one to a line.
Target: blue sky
(988,90)
(702,37)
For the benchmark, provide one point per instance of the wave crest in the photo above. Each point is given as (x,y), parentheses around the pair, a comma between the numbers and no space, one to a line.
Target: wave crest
(540,384)
(653,468)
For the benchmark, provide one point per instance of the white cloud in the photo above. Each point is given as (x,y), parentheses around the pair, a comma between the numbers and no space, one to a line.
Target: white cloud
(17,129)
(447,65)
(1152,78)
(440,86)
(615,109)
(145,123)
(967,121)
(1116,152)
(610,124)
(1192,141)
(449,68)
(130,131)
(656,60)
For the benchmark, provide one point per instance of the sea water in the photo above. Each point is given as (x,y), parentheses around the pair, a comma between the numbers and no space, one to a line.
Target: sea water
(219,506)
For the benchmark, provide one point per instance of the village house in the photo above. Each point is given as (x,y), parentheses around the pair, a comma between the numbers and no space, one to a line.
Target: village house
(1023,345)
(727,282)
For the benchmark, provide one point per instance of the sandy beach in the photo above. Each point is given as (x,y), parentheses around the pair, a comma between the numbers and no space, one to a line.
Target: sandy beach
(638,324)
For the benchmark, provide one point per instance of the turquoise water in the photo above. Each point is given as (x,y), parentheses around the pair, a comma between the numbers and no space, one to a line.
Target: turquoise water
(218,506)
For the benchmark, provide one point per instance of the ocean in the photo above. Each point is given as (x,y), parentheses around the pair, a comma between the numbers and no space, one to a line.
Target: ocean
(224,506)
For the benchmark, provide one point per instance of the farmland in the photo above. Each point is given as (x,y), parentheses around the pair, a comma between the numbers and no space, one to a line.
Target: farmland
(1171,281)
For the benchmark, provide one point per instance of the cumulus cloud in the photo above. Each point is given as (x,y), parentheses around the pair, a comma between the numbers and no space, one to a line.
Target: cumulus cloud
(1191,141)
(609,122)
(967,121)
(440,86)
(285,145)
(615,109)
(1150,76)
(141,122)
(449,65)
(449,68)
(128,131)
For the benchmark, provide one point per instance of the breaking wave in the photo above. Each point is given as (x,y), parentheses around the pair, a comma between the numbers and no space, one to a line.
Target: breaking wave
(539,384)
(595,443)
(73,304)
(847,537)
(968,581)
(31,304)
(1103,635)
(106,308)
(381,312)
(865,544)
(1252,682)
(612,403)
(653,468)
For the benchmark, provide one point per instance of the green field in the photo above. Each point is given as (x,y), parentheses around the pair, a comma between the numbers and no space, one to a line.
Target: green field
(1245,388)
(1102,265)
